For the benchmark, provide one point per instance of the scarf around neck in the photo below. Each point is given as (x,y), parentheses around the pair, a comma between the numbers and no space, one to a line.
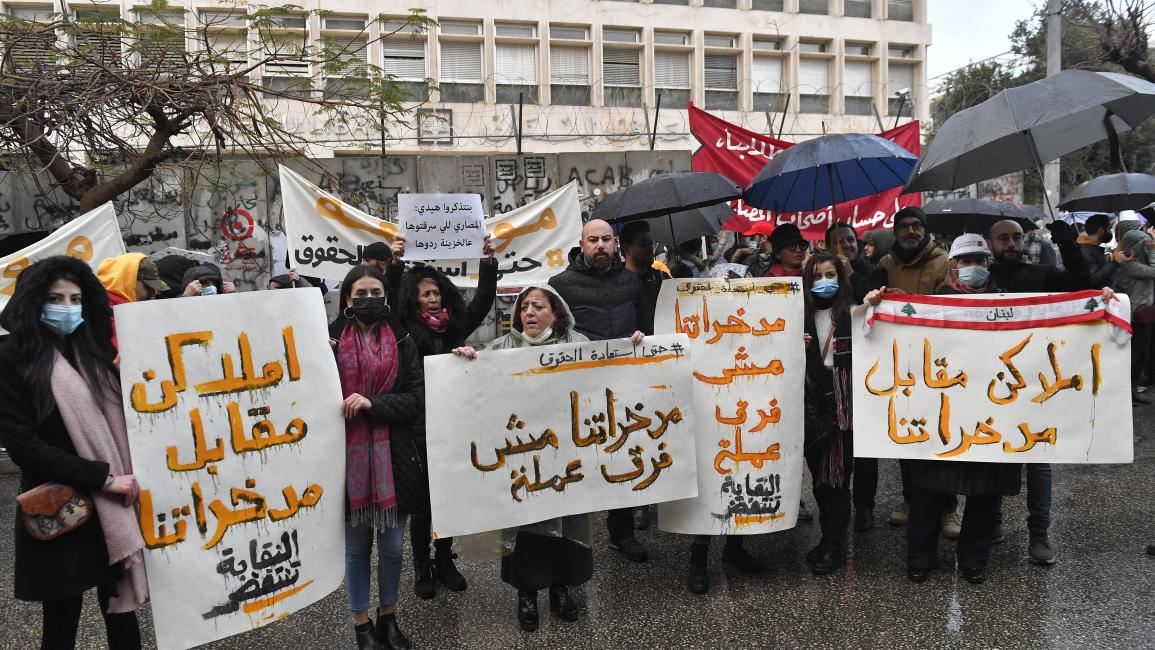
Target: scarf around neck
(437,321)
(96,426)
(368,366)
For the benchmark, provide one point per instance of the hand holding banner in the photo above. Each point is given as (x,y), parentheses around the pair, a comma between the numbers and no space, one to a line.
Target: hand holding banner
(442,226)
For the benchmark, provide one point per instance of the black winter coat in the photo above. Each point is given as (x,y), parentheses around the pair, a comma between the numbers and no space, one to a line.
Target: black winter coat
(866,278)
(76,561)
(604,305)
(1101,269)
(962,477)
(651,280)
(464,318)
(404,410)
(1044,278)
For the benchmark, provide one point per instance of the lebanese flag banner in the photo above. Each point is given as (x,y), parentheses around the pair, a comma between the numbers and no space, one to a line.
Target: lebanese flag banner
(1004,312)
(740,154)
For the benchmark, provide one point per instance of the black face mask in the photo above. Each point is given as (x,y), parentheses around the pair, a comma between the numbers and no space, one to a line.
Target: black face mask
(368,310)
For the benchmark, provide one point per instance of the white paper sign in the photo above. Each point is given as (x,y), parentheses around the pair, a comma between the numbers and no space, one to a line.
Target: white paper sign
(233,409)
(993,383)
(92,237)
(442,226)
(749,368)
(524,435)
(326,235)
(532,242)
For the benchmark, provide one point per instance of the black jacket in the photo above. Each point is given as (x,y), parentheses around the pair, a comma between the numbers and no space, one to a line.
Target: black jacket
(866,278)
(1101,269)
(76,561)
(464,319)
(1020,277)
(604,305)
(404,410)
(651,280)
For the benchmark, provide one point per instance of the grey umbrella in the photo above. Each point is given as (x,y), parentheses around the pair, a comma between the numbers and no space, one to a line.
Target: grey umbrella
(1112,193)
(953,217)
(1024,127)
(679,206)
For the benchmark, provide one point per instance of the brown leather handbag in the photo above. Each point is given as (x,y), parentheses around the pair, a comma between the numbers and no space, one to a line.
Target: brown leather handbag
(53,509)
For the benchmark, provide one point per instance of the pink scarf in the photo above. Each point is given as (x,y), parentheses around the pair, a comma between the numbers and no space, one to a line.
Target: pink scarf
(96,427)
(368,367)
(438,321)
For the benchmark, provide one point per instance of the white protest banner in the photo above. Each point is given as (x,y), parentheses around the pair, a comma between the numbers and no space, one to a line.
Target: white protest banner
(749,368)
(92,237)
(524,435)
(994,378)
(532,242)
(326,235)
(442,226)
(234,421)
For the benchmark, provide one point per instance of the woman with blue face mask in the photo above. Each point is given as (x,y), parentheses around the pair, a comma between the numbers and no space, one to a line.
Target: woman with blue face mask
(828,438)
(63,423)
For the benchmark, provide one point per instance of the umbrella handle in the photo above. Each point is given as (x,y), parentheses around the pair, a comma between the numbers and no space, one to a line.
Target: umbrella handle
(1042,177)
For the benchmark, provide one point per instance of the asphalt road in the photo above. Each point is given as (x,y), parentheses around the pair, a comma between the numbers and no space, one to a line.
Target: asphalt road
(1100,594)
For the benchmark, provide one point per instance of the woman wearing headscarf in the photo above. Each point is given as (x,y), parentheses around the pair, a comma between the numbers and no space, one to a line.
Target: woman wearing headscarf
(384,390)
(63,424)
(435,314)
(555,553)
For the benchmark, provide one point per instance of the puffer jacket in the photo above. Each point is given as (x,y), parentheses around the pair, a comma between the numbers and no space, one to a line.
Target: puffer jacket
(922,276)
(604,305)
(1136,277)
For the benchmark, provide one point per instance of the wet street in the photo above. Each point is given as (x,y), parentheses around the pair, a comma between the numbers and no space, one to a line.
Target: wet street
(1100,594)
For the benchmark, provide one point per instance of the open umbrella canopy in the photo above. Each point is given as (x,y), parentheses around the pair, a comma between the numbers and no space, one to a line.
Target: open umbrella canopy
(953,217)
(665,194)
(1112,193)
(1029,125)
(679,227)
(829,170)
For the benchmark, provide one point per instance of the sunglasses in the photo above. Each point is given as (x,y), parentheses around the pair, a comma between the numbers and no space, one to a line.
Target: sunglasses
(794,246)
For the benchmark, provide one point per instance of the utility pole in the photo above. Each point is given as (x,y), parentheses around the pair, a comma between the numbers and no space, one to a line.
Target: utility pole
(1054,65)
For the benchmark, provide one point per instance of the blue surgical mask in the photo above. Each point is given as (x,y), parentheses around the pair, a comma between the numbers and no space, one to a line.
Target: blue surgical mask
(208,290)
(974,276)
(62,319)
(824,288)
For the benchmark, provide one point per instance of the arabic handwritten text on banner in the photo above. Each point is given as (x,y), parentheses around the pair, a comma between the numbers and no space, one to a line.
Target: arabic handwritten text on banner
(232,403)
(442,226)
(520,436)
(1003,379)
(746,343)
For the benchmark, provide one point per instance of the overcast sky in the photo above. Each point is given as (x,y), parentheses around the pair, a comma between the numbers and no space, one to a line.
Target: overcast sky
(971,30)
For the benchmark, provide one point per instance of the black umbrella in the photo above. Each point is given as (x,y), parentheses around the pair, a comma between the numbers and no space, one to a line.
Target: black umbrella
(953,217)
(665,194)
(1112,193)
(679,227)
(1027,126)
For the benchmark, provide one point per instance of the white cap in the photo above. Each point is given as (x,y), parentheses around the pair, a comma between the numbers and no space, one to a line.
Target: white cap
(969,244)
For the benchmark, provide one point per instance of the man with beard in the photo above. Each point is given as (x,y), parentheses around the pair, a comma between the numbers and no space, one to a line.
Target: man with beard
(604,297)
(913,265)
(1096,232)
(1015,276)
(638,250)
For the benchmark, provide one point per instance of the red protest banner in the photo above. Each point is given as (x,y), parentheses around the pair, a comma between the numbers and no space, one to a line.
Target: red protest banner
(740,154)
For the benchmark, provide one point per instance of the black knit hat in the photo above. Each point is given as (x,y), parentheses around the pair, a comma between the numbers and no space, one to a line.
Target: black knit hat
(911,211)
(784,235)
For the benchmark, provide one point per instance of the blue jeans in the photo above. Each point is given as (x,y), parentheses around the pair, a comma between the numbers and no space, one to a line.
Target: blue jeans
(358,546)
(1038,497)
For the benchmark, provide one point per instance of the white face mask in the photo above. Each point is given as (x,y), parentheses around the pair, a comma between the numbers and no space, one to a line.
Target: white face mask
(544,336)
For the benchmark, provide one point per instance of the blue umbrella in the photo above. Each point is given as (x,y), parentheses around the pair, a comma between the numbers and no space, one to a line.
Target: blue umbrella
(828,171)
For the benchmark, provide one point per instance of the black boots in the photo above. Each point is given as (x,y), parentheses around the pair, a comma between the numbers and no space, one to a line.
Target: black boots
(527,610)
(735,553)
(367,637)
(698,580)
(389,634)
(560,604)
(826,558)
(424,583)
(444,569)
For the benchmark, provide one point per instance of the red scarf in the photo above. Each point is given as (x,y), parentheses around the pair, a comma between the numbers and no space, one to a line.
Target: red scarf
(368,367)
(438,321)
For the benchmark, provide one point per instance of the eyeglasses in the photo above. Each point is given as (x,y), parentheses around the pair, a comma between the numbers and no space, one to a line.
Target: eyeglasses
(798,246)
(909,225)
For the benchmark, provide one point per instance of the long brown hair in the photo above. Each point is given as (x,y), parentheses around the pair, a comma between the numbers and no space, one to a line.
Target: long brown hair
(842,301)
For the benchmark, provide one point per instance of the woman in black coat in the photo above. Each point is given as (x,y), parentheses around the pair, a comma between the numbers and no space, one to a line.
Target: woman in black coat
(384,389)
(60,313)
(435,314)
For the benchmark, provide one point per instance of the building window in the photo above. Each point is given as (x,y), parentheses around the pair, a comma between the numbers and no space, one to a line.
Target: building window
(684,3)
(858,49)
(900,52)
(811,47)
(161,40)
(814,86)
(405,60)
(767,5)
(820,7)
(288,75)
(857,8)
(899,88)
(516,30)
(767,44)
(721,81)
(900,10)
(766,82)
(671,38)
(516,73)
(858,82)
(718,40)
(345,23)
(568,33)
(620,35)
(98,37)
(212,18)
(672,77)
(227,52)
(569,75)
(460,28)
(350,64)
(27,52)
(721,4)
(461,72)
(621,77)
